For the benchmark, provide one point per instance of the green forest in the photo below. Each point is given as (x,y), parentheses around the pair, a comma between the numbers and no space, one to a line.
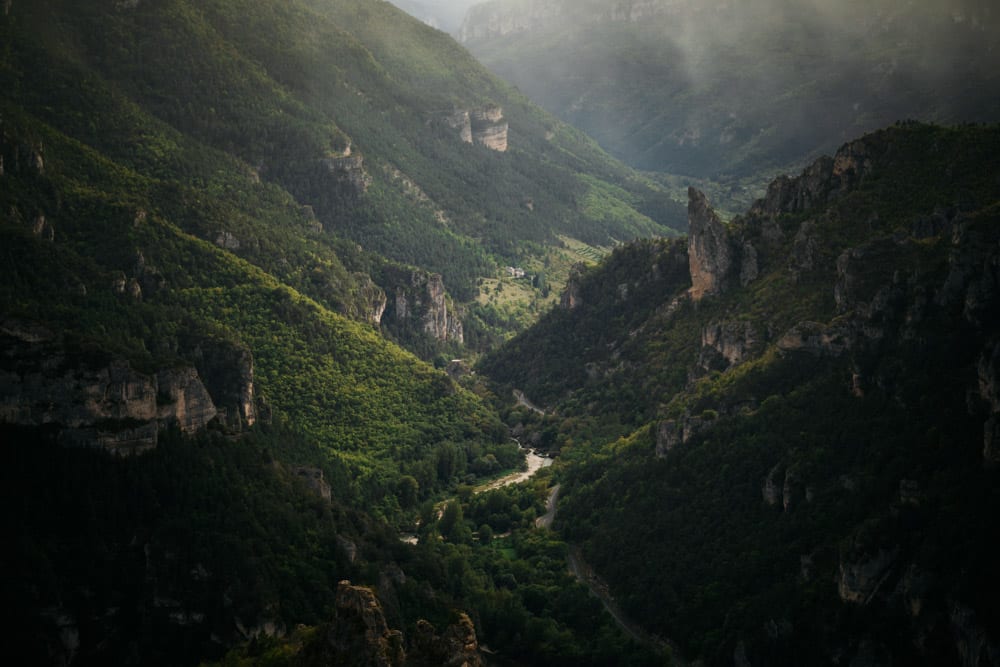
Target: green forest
(278,334)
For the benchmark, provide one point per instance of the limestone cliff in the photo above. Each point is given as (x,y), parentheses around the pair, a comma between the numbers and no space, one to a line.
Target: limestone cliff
(348,172)
(710,255)
(97,399)
(359,635)
(489,128)
(492,20)
(485,126)
(422,302)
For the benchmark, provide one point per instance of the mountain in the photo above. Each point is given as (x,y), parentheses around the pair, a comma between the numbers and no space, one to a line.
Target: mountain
(355,110)
(779,436)
(222,221)
(729,90)
(218,222)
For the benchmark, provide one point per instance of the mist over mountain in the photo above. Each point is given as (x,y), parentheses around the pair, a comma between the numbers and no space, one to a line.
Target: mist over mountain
(320,344)
(728,88)
(446,15)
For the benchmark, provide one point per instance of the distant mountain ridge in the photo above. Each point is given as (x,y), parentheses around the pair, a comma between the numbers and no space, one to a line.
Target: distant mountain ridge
(729,89)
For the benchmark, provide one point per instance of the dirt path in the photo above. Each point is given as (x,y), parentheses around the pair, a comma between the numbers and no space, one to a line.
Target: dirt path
(545,521)
(523,400)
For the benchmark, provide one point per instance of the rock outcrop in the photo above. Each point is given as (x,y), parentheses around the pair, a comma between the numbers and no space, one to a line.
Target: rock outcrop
(673,432)
(227,370)
(492,20)
(819,182)
(314,480)
(421,299)
(349,172)
(460,121)
(360,635)
(457,646)
(726,344)
(570,297)
(489,128)
(816,339)
(861,577)
(484,126)
(96,399)
(710,255)
(371,299)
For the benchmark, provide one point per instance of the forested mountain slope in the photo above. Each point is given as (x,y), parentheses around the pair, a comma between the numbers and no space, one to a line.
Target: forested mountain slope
(377,123)
(213,218)
(730,89)
(779,437)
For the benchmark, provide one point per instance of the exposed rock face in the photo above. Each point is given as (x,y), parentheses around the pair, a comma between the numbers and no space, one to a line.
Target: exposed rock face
(484,126)
(227,240)
(725,344)
(489,128)
(227,369)
(99,400)
(770,491)
(823,179)
(314,480)
(988,370)
(570,297)
(861,577)
(459,120)
(43,229)
(671,433)
(183,400)
(668,436)
(749,269)
(791,195)
(490,20)
(423,299)
(804,247)
(816,339)
(19,155)
(372,298)
(359,634)
(710,256)
(456,647)
(349,171)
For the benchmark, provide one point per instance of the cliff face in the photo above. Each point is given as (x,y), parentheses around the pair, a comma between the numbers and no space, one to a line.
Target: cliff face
(489,128)
(485,126)
(709,248)
(492,20)
(850,317)
(422,301)
(95,399)
(360,635)
(349,173)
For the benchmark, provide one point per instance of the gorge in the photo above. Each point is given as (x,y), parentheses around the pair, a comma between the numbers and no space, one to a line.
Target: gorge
(292,291)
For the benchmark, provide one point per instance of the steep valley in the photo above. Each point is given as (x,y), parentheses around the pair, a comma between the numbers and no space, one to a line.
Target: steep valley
(290,286)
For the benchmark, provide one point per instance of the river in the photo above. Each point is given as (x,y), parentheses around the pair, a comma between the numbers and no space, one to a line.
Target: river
(535,463)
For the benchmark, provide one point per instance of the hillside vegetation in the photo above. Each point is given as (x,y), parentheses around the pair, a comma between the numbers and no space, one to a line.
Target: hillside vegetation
(798,461)
(218,223)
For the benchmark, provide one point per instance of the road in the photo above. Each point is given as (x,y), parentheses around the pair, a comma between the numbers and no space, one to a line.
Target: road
(545,521)
(585,575)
